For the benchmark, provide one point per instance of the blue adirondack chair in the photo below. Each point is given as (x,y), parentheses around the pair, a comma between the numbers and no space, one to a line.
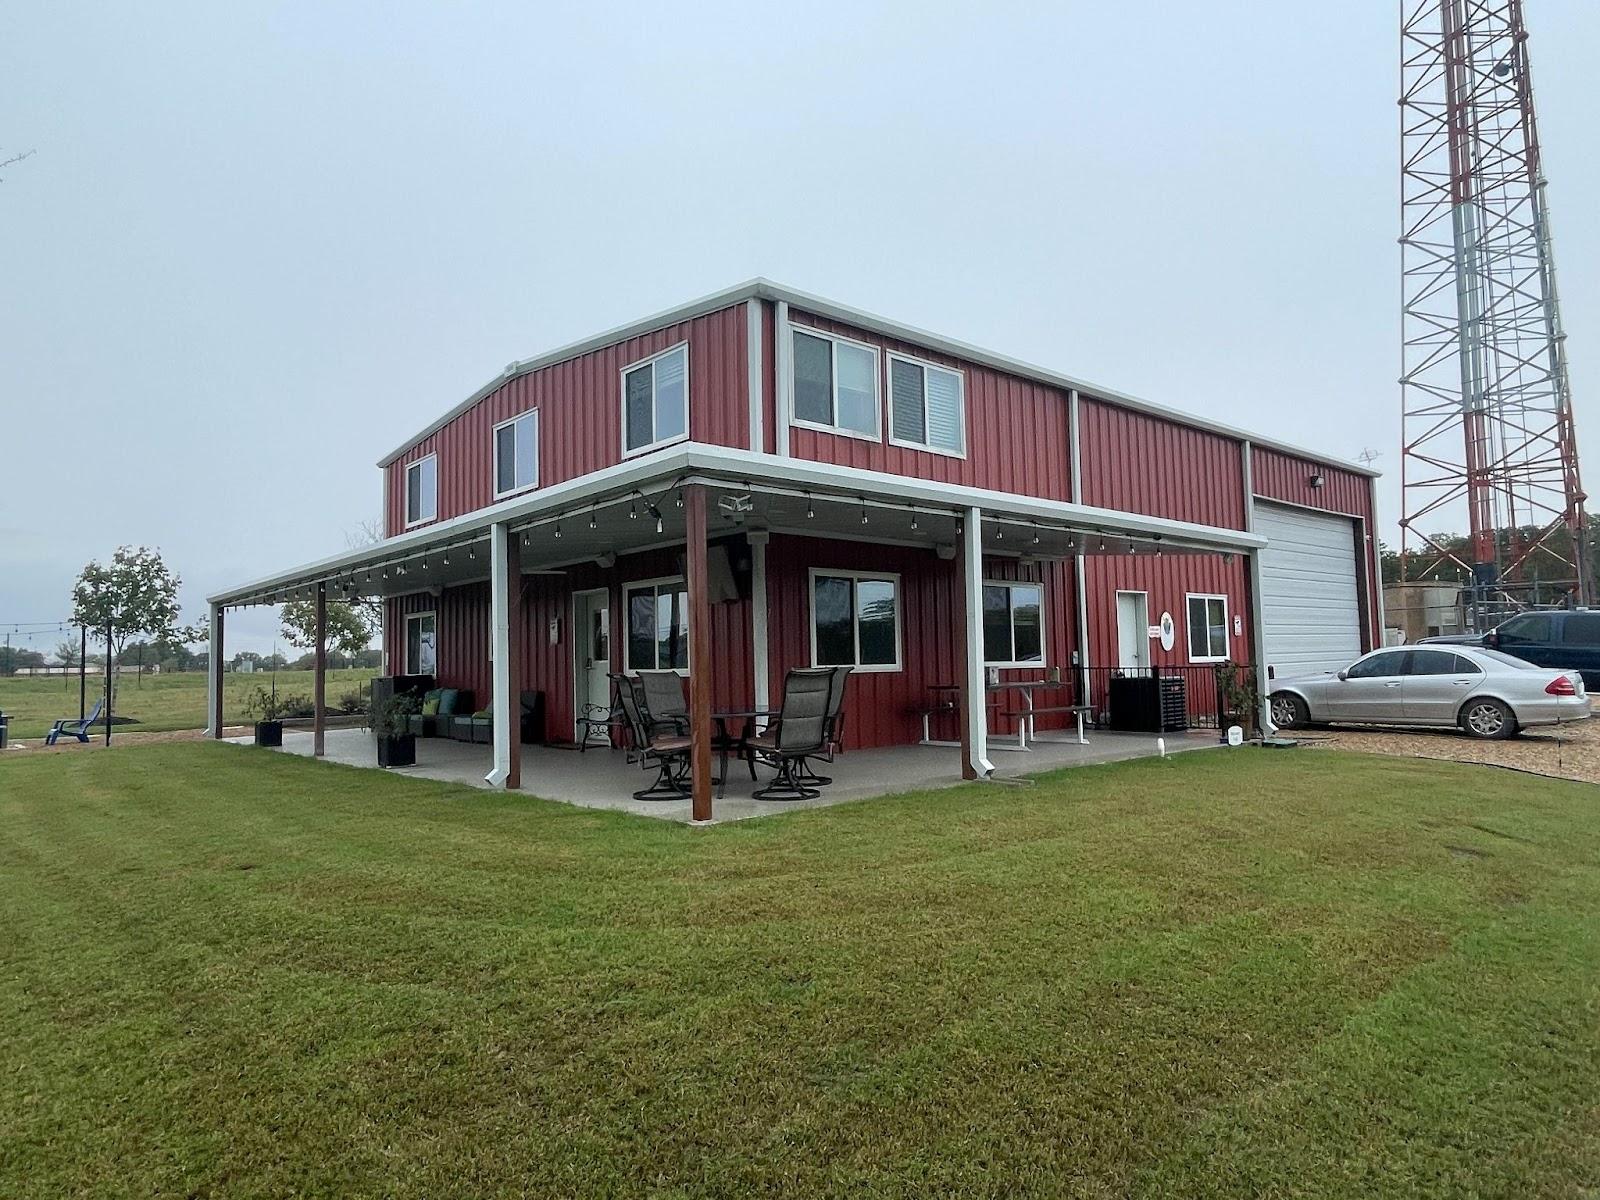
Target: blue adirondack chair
(73,727)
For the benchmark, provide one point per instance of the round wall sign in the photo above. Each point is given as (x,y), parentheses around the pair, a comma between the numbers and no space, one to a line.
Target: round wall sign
(1169,631)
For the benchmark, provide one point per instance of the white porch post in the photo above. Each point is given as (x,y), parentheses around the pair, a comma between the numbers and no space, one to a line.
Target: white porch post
(977,709)
(214,676)
(503,701)
(1258,619)
(758,616)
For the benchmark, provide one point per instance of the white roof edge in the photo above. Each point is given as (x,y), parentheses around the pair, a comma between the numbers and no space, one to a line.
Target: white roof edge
(732,465)
(766,289)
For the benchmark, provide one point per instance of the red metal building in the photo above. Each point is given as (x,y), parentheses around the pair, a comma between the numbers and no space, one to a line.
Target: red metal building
(844,459)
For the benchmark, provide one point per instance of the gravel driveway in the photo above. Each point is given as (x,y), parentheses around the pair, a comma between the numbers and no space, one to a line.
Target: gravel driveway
(1565,751)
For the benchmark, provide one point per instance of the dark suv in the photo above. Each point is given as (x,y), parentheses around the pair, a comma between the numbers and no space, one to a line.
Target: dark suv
(1548,639)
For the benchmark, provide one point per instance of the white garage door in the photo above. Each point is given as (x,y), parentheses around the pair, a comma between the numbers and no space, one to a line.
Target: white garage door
(1310,605)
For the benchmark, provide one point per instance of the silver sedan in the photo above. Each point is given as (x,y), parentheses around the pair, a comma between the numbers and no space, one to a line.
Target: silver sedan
(1486,693)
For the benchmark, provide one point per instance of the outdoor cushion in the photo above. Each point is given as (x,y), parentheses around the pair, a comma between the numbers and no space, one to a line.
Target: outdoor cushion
(447,702)
(430,705)
(484,714)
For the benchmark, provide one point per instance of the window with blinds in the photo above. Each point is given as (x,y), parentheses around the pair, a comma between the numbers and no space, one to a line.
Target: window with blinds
(927,406)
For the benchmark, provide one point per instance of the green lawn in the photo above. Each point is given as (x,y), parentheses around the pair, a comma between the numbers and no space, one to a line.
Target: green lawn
(225,972)
(156,702)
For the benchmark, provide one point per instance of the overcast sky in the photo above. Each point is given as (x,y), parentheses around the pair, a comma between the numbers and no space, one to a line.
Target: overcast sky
(259,245)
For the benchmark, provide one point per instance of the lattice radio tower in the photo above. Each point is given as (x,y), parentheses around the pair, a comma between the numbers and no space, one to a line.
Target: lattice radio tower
(1487,437)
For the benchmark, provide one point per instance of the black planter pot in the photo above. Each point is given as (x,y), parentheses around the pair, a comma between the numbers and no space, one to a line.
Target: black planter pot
(269,733)
(397,751)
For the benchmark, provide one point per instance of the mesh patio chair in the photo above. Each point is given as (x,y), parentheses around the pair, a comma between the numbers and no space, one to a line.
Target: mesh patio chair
(664,704)
(666,752)
(833,735)
(801,733)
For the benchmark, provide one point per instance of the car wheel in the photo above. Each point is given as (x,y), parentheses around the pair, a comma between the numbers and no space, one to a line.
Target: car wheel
(1289,712)
(1487,718)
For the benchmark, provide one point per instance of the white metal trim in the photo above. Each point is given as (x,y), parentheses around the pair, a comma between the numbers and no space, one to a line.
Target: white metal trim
(977,692)
(502,588)
(890,357)
(755,374)
(858,666)
(214,672)
(494,453)
(783,382)
(622,400)
(759,639)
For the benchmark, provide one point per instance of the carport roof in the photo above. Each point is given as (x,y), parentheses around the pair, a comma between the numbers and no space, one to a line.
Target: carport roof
(631,507)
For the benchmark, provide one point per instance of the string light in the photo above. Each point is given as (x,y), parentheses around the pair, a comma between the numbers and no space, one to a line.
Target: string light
(913,522)
(809,513)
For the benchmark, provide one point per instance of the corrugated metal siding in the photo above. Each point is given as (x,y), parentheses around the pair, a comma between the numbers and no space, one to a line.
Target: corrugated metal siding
(1016,429)
(882,705)
(1143,464)
(580,414)
(1286,477)
(1167,580)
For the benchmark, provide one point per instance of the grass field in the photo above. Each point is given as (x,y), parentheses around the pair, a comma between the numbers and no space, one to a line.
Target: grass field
(225,972)
(156,702)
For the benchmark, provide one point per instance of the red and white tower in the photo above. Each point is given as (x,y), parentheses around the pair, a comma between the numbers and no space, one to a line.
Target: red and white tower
(1487,437)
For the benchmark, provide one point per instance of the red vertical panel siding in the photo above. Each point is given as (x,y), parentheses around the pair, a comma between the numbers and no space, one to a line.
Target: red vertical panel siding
(1287,477)
(580,414)
(1016,428)
(1139,463)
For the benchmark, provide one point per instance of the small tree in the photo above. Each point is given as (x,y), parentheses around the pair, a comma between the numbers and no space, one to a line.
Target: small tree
(351,625)
(67,653)
(135,595)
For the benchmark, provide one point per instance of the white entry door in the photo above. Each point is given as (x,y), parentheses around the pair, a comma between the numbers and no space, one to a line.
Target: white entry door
(591,626)
(1133,630)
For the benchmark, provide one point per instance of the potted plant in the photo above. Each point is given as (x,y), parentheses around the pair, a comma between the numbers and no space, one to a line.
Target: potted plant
(268,711)
(1238,702)
(391,723)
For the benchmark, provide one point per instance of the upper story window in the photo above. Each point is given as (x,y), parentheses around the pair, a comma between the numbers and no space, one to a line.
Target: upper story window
(1012,626)
(835,384)
(658,625)
(927,406)
(516,454)
(1208,628)
(655,400)
(422,490)
(855,620)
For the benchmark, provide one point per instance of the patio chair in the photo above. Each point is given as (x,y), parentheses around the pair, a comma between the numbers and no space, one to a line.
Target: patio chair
(801,733)
(73,727)
(666,751)
(664,704)
(833,734)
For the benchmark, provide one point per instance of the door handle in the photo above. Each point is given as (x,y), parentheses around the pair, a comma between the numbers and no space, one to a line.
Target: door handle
(1461,682)
(1392,683)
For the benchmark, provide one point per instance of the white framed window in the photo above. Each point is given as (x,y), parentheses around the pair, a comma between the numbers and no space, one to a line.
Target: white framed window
(422,490)
(1013,624)
(834,384)
(422,644)
(516,454)
(1208,627)
(655,400)
(927,406)
(855,620)
(656,612)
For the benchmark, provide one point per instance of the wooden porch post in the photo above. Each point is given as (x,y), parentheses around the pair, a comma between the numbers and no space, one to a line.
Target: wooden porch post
(319,680)
(214,674)
(694,508)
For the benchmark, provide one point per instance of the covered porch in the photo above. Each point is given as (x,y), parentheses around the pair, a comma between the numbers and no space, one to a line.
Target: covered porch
(527,558)
(604,779)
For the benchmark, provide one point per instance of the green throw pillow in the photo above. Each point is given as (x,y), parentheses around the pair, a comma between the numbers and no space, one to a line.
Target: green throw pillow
(447,702)
(430,704)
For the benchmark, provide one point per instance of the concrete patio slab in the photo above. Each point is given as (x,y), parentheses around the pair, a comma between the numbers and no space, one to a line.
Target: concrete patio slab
(603,779)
